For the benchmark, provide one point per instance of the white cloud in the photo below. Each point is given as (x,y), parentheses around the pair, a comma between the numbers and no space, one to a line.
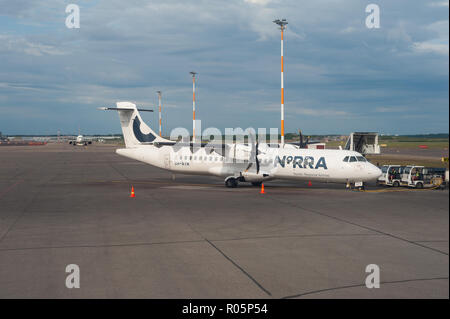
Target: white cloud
(439,43)
(320,112)
(348,30)
(440,28)
(388,109)
(399,33)
(428,47)
(259,2)
(316,112)
(439,4)
(22,45)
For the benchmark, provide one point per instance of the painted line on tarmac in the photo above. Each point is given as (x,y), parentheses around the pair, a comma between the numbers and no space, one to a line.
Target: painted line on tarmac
(8,189)
(317,212)
(25,173)
(362,285)
(105,245)
(239,267)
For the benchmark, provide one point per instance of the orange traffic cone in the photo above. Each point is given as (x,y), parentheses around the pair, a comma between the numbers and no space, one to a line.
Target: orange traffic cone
(262,189)
(309,184)
(132,192)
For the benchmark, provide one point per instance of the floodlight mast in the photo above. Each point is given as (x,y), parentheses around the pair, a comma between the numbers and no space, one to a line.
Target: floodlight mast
(159,103)
(282,24)
(193,105)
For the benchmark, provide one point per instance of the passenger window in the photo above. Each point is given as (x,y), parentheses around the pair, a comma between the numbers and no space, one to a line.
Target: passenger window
(352,159)
(361,159)
(346,158)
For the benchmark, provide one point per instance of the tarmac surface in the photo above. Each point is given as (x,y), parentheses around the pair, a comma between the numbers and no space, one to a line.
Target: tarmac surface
(193,238)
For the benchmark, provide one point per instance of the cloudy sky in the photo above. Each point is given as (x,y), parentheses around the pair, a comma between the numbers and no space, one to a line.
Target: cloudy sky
(340,76)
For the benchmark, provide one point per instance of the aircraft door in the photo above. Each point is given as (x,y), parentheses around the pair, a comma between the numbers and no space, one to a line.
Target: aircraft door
(167,161)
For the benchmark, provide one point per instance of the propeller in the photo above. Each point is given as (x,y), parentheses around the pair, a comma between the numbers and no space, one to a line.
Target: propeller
(302,143)
(256,158)
(254,152)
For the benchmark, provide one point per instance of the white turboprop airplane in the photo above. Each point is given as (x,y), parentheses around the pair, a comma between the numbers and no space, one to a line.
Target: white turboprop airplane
(254,162)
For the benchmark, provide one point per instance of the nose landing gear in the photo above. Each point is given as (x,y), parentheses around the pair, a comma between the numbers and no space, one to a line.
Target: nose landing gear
(359,186)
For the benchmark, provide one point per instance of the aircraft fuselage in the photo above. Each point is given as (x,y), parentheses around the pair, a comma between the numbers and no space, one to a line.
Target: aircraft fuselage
(274,163)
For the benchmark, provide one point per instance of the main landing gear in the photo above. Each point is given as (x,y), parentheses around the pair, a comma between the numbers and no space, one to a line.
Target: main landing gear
(231,182)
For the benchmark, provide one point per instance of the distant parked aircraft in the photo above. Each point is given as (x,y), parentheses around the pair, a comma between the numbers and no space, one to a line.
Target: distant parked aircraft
(80,141)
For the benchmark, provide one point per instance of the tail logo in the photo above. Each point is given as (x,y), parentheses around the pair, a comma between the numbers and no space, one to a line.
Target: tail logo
(141,137)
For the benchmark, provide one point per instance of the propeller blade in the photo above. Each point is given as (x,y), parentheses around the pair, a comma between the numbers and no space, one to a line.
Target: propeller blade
(254,152)
(256,158)
(301,145)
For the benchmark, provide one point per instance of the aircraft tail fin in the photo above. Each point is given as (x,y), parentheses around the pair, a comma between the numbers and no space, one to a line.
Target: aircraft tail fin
(135,131)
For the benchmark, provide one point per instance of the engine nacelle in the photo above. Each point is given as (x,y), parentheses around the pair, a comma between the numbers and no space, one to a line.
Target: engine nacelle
(253,177)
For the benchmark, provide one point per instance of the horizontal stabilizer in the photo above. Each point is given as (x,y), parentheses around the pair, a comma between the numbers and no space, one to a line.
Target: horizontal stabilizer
(123,109)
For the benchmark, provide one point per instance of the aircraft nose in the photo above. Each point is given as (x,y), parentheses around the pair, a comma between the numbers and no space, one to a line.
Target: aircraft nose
(376,171)
(373,172)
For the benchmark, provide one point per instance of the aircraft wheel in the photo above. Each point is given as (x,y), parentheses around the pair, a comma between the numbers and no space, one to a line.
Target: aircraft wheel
(256,183)
(231,183)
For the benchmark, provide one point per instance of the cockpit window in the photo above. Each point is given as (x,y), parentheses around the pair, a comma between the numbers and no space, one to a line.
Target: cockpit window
(346,158)
(361,159)
(353,159)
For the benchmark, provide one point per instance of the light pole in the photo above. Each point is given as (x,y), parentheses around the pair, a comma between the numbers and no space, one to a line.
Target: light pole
(282,24)
(193,105)
(159,102)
